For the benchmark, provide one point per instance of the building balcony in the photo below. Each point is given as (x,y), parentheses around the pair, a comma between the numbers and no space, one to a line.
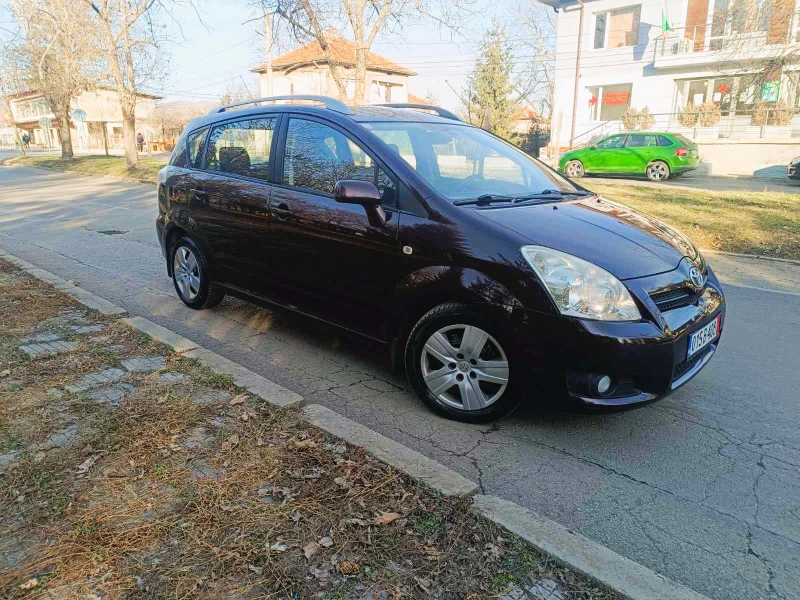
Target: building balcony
(699,47)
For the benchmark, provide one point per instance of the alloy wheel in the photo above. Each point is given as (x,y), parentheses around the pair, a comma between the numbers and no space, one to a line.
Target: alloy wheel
(464,367)
(574,169)
(186,269)
(658,171)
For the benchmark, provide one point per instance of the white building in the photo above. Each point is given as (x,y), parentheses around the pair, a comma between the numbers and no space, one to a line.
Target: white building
(720,51)
(305,71)
(100,123)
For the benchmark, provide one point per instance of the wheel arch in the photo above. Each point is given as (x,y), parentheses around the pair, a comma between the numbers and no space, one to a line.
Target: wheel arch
(422,290)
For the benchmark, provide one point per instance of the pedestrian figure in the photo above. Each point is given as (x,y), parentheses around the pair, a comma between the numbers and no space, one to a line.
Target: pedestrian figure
(140,141)
(25,140)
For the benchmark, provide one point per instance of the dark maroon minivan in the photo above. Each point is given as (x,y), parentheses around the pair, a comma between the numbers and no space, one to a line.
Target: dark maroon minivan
(492,278)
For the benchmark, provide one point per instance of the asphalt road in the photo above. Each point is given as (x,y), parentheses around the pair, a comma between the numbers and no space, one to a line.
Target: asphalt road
(703,487)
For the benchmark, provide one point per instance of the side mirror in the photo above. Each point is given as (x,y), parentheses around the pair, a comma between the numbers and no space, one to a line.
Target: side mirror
(355,191)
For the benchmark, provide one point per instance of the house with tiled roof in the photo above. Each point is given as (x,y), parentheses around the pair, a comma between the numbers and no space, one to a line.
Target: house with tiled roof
(305,70)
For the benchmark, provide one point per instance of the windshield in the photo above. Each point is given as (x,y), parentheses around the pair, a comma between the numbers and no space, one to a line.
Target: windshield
(463,162)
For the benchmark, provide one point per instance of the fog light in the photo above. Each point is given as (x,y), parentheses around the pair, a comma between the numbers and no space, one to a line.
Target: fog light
(603,384)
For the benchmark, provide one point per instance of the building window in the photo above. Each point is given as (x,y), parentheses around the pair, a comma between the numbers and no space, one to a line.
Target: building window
(608,102)
(617,28)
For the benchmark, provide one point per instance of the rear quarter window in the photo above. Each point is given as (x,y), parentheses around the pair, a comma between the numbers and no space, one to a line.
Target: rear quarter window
(178,158)
(196,141)
(664,141)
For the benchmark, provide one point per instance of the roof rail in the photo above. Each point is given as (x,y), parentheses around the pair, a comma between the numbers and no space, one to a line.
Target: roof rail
(442,112)
(330,103)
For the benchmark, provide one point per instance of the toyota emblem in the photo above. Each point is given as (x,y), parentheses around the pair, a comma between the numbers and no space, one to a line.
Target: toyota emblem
(696,277)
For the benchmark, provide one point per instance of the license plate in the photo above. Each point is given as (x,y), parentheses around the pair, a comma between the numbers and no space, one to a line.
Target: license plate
(703,337)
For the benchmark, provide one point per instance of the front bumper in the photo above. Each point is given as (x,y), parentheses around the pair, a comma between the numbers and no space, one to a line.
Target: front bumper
(646,360)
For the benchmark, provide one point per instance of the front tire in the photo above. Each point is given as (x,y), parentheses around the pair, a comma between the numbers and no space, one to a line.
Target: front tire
(658,171)
(574,168)
(190,276)
(459,365)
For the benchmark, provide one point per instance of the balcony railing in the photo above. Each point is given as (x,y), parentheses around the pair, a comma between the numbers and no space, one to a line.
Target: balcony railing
(699,44)
(767,125)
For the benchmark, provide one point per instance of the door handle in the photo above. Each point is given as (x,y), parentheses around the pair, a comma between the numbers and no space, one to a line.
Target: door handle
(199,194)
(282,211)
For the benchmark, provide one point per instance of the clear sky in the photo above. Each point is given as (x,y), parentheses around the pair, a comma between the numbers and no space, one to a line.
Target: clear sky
(216,56)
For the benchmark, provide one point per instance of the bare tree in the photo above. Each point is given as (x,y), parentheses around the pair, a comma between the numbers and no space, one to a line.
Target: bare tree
(133,53)
(10,84)
(320,20)
(53,56)
(534,38)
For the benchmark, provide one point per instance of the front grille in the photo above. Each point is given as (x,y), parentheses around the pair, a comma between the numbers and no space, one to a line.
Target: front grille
(682,368)
(672,299)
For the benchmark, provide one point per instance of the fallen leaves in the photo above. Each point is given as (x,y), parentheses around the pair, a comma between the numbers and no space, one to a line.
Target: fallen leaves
(278,547)
(5,373)
(84,467)
(386,518)
(239,399)
(326,542)
(311,549)
(230,443)
(30,584)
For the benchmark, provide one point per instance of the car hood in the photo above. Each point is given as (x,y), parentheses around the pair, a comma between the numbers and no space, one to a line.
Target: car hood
(622,241)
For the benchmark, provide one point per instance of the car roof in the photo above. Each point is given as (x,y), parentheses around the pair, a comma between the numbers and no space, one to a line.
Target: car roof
(360,114)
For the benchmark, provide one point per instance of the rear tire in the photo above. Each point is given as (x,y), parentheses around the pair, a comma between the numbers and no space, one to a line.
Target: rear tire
(190,276)
(574,168)
(658,171)
(460,366)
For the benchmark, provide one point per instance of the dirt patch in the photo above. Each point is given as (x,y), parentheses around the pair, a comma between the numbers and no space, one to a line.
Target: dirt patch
(127,471)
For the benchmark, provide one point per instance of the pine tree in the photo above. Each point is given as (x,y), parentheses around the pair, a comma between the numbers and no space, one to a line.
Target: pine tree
(489,88)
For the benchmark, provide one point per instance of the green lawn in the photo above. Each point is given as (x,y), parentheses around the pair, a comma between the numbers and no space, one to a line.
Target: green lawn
(96,165)
(766,223)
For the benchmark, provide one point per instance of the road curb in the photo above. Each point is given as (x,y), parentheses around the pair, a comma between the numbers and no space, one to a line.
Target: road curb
(791,261)
(395,454)
(84,297)
(626,577)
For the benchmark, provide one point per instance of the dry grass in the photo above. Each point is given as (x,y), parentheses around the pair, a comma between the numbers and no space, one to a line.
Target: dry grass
(213,499)
(766,223)
(96,165)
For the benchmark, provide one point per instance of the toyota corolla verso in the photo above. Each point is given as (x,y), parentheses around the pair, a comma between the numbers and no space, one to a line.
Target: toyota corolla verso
(491,278)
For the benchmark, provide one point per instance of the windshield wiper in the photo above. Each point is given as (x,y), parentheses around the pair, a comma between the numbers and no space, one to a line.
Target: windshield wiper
(485,199)
(552,195)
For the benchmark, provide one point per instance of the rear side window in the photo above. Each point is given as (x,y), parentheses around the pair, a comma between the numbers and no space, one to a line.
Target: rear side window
(684,140)
(664,141)
(179,154)
(241,148)
(196,142)
(641,141)
(317,156)
(615,141)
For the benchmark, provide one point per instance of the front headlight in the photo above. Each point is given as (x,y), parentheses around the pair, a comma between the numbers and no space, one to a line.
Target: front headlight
(580,288)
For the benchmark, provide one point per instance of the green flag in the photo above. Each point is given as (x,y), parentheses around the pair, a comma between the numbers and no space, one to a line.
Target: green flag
(665,26)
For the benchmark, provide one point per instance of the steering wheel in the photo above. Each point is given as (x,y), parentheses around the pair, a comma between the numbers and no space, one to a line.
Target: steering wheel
(471,179)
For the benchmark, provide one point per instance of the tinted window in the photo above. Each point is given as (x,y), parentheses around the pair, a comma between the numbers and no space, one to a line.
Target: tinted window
(664,141)
(178,158)
(684,139)
(241,148)
(196,142)
(317,156)
(399,142)
(615,141)
(640,141)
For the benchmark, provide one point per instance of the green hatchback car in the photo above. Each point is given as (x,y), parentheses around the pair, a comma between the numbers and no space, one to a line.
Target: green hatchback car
(657,155)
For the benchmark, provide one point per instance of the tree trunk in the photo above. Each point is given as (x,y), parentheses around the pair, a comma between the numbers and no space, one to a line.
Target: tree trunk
(65,134)
(359,97)
(129,135)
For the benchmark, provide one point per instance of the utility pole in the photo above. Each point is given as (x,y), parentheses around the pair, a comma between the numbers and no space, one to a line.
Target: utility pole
(268,48)
(577,75)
